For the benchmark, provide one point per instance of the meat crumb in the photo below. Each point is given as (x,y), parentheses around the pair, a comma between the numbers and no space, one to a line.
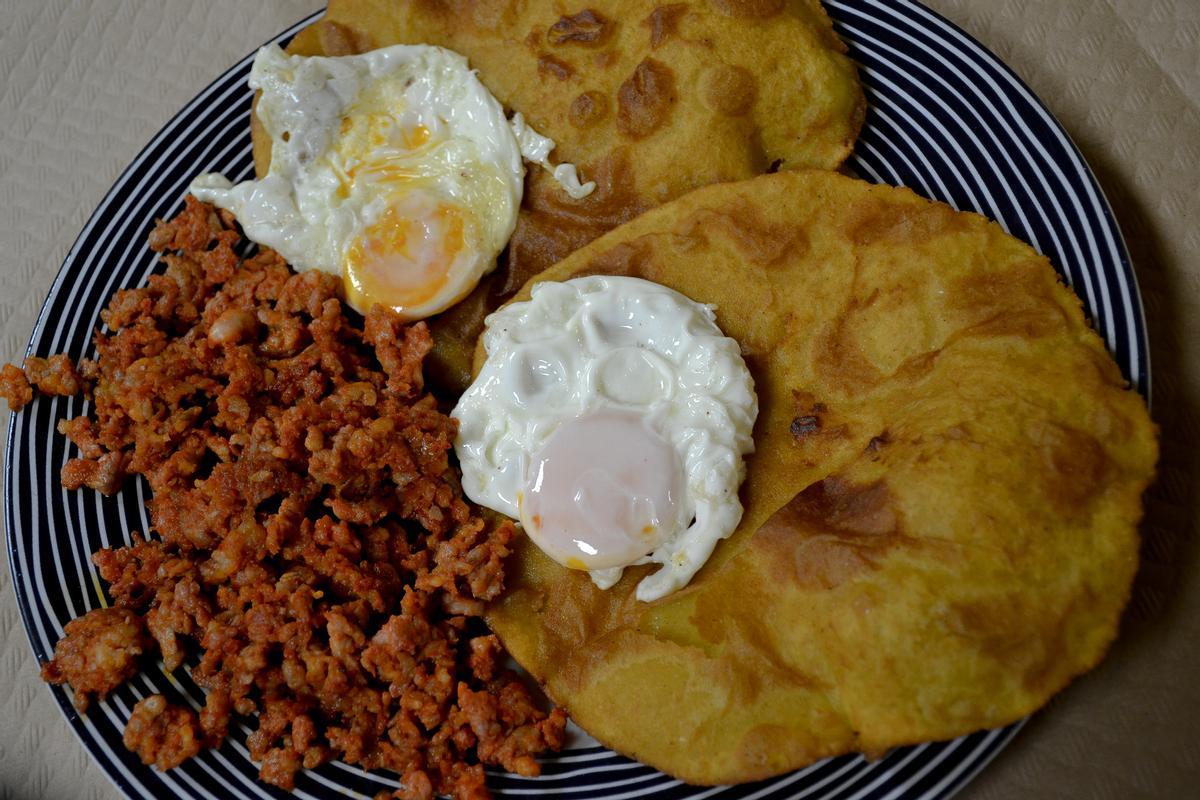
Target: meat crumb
(14,387)
(54,375)
(162,734)
(98,652)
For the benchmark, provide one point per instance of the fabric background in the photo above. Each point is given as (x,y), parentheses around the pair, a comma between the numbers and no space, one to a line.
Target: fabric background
(87,82)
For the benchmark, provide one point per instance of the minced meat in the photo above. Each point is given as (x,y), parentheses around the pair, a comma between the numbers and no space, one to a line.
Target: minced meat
(311,552)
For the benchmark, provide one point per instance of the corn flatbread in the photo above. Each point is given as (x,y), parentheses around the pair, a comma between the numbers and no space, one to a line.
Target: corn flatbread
(650,99)
(940,523)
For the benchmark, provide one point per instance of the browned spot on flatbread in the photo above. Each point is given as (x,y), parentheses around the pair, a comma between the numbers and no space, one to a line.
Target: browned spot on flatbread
(758,9)
(633,259)
(1074,464)
(587,109)
(878,221)
(839,358)
(847,508)
(1011,302)
(537,240)
(588,27)
(663,22)
(338,40)
(809,414)
(916,367)
(644,101)
(1000,628)
(549,65)
(993,290)
(613,201)
(757,239)
(1026,324)
(830,532)
(554,226)
(804,426)
(816,431)
(727,89)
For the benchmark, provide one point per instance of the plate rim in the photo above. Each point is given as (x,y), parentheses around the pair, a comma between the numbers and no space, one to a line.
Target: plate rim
(1108,218)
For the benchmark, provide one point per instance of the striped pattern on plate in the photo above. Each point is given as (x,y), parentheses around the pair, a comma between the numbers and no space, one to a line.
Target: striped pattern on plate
(946,118)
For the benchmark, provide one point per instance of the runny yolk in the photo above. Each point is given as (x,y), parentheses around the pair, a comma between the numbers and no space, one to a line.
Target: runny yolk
(603,491)
(405,258)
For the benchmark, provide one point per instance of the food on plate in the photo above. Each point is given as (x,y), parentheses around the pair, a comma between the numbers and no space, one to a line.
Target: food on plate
(311,555)
(98,652)
(920,535)
(55,376)
(394,170)
(940,513)
(610,416)
(650,99)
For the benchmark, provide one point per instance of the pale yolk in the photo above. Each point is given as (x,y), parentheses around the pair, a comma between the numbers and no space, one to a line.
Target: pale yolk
(405,258)
(364,137)
(415,137)
(603,491)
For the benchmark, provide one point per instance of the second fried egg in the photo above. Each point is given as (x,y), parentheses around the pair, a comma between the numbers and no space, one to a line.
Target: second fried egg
(611,417)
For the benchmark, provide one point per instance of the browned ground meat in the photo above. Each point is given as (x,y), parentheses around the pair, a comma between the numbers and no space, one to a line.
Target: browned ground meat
(99,652)
(162,734)
(53,375)
(14,387)
(314,559)
(105,473)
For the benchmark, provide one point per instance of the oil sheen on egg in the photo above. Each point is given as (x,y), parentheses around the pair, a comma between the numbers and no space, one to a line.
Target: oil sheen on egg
(395,169)
(611,417)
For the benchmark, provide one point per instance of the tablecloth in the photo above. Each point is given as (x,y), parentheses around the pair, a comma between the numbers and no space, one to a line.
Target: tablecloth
(87,82)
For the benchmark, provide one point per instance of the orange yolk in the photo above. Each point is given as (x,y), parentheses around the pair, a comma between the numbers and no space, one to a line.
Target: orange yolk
(404,259)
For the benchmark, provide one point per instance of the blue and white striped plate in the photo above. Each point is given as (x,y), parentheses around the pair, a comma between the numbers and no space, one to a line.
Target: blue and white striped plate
(946,118)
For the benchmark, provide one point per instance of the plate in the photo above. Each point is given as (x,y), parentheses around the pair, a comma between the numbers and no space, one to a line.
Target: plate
(945,118)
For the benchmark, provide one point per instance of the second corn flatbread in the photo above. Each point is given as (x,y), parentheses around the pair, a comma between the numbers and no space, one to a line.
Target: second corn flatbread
(650,99)
(940,524)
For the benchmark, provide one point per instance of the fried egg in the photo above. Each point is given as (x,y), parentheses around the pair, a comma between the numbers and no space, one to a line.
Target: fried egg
(611,417)
(395,169)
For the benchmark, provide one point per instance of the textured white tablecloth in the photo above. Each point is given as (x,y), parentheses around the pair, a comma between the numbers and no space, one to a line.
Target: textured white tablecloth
(87,82)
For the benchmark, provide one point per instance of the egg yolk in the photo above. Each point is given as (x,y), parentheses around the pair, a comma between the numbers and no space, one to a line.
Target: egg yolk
(603,491)
(405,258)
(416,136)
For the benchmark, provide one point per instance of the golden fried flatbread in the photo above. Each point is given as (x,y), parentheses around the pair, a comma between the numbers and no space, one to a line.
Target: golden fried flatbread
(940,524)
(651,100)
